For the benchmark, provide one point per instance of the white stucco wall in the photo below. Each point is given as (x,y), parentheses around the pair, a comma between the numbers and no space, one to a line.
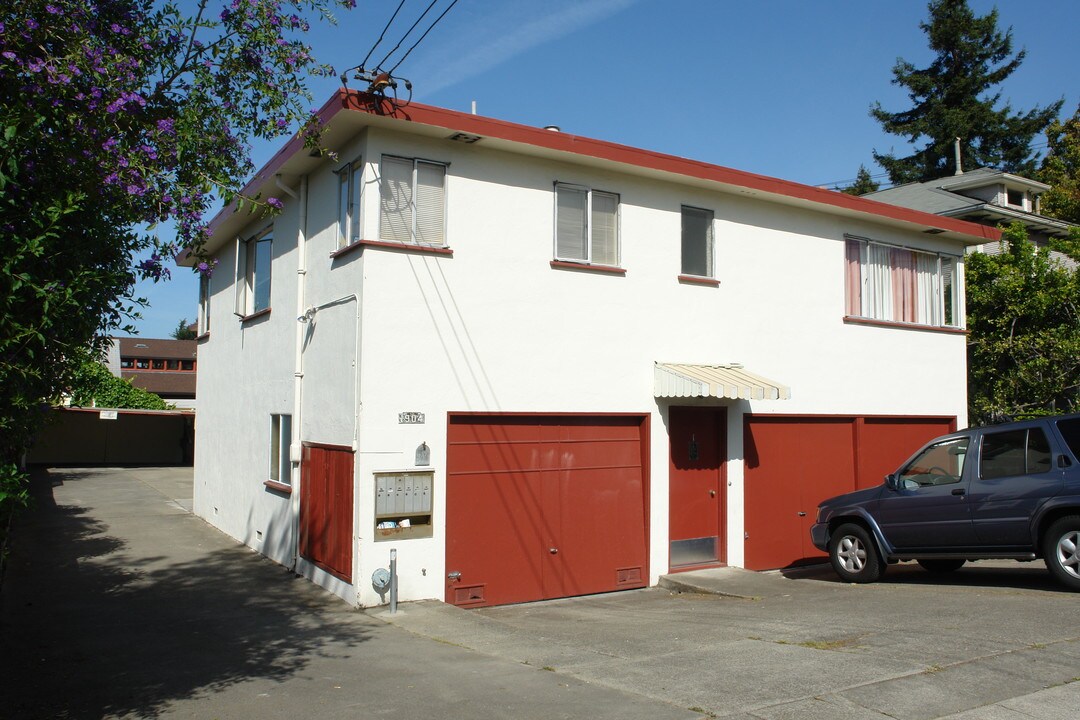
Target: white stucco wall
(495,328)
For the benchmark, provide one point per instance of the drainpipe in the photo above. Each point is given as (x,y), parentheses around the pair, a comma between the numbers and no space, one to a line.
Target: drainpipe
(298,364)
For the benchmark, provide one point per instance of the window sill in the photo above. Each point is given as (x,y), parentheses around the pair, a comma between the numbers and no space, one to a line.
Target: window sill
(586,267)
(857,320)
(411,248)
(347,249)
(254,316)
(699,280)
(203,338)
(278,486)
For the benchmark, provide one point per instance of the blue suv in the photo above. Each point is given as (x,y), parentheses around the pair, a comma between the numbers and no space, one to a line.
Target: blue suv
(1006,491)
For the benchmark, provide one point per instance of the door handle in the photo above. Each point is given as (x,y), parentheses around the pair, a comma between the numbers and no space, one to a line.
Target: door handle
(802,514)
(712,493)
(959,491)
(553,551)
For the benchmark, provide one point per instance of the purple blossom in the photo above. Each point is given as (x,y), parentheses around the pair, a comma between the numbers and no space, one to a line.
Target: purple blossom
(275,203)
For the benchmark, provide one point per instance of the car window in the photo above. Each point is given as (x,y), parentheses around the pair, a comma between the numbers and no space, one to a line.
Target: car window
(1070,430)
(1014,452)
(939,464)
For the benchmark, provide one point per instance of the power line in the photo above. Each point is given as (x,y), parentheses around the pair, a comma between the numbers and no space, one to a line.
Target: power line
(407,33)
(430,28)
(382,34)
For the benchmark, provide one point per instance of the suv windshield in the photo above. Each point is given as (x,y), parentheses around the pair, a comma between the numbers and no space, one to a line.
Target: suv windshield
(939,464)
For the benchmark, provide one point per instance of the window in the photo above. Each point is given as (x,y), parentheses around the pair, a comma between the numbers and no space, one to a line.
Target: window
(940,464)
(1070,431)
(697,242)
(349,184)
(204,304)
(172,364)
(280,440)
(1015,198)
(127,363)
(253,264)
(187,365)
(1014,452)
(142,364)
(901,285)
(586,225)
(412,205)
(158,364)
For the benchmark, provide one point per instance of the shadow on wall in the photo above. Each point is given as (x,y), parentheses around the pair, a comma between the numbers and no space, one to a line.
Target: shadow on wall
(93,629)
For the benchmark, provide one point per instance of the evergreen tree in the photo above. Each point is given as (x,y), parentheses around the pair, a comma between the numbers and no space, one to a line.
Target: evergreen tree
(183,331)
(1061,170)
(954,98)
(863,184)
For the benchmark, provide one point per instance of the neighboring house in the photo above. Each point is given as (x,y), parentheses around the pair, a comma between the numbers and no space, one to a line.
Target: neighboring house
(539,365)
(164,367)
(986,196)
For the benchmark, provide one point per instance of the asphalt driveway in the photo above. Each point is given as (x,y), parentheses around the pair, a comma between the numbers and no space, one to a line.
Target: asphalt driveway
(119,603)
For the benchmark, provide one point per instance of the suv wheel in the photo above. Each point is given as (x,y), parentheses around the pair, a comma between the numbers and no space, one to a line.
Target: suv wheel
(940,565)
(1061,550)
(853,555)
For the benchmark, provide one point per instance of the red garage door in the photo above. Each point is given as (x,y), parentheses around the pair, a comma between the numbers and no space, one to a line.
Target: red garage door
(793,463)
(544,507)
(326,508)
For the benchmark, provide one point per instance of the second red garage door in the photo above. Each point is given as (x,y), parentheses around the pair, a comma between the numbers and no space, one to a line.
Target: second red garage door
(793,463)
(540,507)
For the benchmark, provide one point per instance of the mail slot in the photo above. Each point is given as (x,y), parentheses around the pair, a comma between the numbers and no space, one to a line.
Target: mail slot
(403,502)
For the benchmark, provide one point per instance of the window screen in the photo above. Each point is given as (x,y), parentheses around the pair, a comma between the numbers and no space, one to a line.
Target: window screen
(697,242)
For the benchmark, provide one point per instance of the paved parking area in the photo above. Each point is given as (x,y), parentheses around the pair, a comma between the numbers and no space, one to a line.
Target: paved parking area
(118,603)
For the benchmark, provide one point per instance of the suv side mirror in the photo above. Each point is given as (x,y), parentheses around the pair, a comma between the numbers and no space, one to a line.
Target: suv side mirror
(890,481)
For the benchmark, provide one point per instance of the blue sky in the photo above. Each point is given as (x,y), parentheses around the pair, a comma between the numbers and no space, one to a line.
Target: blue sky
(777,87)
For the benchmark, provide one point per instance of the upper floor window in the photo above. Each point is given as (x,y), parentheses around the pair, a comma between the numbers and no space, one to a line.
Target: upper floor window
(253,267)
(127,363)
(349,184)
(586,225)
(204,305)
(697,242)
(412,204)
(1016,198)
(901,285)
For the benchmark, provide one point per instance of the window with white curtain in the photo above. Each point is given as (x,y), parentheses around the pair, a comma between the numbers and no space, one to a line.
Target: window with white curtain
(349,184)
(412,206)
(897,284)
(586,225)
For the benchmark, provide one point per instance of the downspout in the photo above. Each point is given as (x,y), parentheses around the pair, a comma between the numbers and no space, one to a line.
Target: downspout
(298,364)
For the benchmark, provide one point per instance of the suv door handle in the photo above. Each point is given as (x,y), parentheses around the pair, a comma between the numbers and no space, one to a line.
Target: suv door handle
(959,491)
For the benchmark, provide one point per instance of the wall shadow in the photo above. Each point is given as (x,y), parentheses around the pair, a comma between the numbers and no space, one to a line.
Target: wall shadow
(96,625)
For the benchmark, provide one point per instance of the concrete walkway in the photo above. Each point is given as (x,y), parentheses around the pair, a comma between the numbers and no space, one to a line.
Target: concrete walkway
(118,603)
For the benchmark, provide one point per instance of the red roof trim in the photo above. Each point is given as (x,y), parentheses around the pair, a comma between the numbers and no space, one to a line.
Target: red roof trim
(599,149)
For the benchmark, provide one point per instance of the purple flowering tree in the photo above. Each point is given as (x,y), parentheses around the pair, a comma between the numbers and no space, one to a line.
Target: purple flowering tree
(117,115)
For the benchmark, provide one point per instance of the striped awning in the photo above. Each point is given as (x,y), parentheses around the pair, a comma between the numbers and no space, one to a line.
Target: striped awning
(718,381)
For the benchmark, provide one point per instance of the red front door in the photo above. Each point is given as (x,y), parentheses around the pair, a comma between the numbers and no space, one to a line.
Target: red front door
(696,485)
(326,508)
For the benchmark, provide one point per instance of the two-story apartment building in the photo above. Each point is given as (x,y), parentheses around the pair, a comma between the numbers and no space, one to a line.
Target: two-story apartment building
(539,365)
